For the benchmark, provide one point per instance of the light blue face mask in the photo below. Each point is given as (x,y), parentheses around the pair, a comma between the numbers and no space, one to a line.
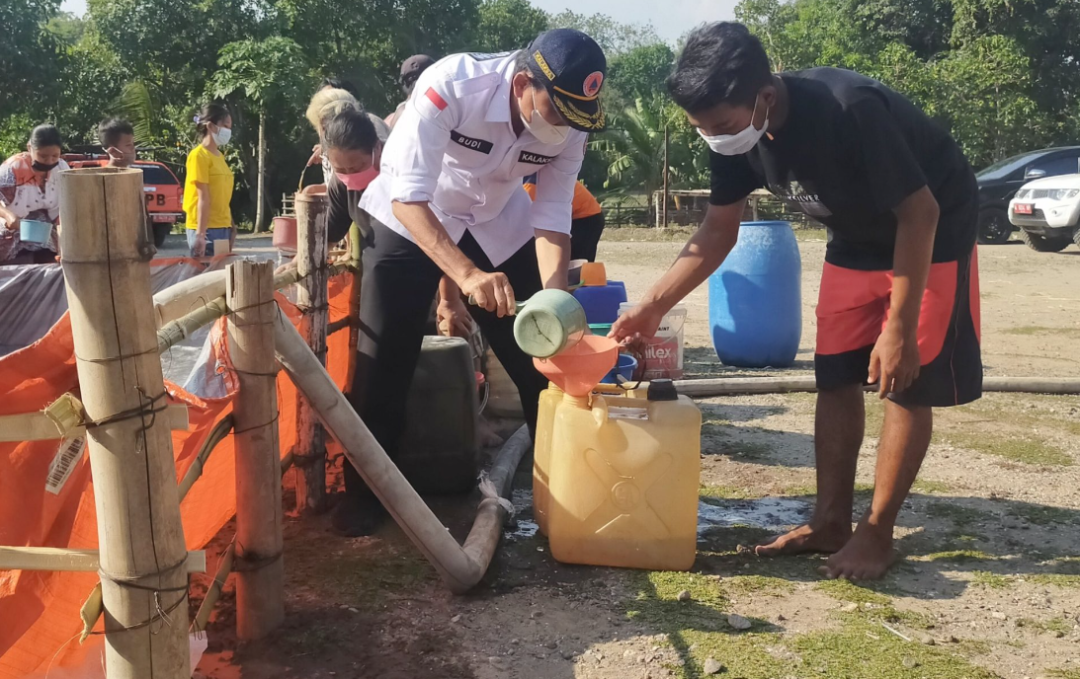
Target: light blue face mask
(222,136)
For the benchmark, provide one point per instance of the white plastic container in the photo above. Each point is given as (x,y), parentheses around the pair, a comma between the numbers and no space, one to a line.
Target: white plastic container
(663,357)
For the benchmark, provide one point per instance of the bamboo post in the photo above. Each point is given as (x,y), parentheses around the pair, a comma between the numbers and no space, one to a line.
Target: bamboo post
(144,585)
(260,583)
(311,266)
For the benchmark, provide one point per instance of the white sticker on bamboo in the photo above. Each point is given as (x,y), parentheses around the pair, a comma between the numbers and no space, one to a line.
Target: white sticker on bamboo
(69,453)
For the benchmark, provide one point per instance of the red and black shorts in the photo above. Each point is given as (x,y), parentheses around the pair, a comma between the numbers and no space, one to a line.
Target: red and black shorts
(852,309)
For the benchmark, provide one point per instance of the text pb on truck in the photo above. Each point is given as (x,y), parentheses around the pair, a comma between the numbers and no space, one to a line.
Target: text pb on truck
(163,192)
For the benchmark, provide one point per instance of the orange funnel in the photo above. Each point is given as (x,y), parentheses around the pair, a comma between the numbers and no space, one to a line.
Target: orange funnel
(578,369)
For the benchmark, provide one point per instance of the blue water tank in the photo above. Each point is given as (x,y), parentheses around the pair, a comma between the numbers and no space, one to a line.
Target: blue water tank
(601,302)
(755,298)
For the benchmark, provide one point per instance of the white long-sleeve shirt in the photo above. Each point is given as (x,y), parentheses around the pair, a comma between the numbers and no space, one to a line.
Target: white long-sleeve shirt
(455,148)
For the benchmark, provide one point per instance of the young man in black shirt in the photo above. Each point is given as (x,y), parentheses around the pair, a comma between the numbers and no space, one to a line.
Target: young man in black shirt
(899,293)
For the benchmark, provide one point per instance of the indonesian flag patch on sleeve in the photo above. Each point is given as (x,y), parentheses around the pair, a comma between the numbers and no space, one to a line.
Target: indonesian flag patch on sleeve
(430,103)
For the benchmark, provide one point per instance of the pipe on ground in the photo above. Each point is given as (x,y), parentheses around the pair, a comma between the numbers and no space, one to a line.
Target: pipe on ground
(734,386)
(461,567)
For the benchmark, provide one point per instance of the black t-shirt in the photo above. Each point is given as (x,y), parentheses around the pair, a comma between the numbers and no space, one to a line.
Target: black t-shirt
(344,210)
(850,151)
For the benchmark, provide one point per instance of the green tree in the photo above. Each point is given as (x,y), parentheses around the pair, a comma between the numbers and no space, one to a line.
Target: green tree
(613,36)
(266,74)
(640,73)
(633,147)
(507,25)
(26,52)
(985,96)
(1002,75)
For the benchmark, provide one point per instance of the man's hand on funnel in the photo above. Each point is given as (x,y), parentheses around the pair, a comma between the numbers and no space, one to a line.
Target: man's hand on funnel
(641,321)
(490,291)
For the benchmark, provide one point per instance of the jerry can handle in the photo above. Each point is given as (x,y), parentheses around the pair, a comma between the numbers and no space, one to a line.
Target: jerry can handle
(600,410)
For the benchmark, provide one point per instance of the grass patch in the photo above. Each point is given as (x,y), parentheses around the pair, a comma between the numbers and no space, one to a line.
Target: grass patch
(844,590)
(1028,330)
(930,487)
(802,490)
(863,650)
(757,584)
(810,234)
(727,493)
(645,234)
(894,616)
(1063,580)
(958,556)
(1019,448)
(864,491)
(989,580)
(363,578)
(875,414)
(1067,580)
(971,647)
(1063,674)
(860,649)
(1058,625)
(962,517)
(1042,515)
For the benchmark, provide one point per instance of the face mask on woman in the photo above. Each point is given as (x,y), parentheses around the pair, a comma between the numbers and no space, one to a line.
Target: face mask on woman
(358,181)
(545,132)
(44,167)
(222,136)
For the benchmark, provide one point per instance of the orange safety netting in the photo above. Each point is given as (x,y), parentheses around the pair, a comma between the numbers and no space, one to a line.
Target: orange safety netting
(39,610)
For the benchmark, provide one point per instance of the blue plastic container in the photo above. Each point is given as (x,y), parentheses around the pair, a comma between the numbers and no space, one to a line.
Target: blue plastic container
(33,231)
(601,302)
(755,298)
(625,367)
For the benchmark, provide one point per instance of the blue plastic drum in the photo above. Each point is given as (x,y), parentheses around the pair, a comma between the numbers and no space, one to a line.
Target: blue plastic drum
(755,298)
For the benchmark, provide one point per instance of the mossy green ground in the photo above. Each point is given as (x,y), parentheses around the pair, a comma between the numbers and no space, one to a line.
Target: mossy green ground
(855,645)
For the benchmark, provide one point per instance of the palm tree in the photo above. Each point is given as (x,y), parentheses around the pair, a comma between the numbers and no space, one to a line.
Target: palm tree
(265,73)
(633,147)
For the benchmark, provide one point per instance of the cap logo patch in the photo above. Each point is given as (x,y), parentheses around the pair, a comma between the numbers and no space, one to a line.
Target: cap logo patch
(542,63)
(593,83)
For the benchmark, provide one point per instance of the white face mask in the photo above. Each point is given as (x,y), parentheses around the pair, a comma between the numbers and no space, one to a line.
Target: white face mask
(545,132)
(222,136)
(740,142)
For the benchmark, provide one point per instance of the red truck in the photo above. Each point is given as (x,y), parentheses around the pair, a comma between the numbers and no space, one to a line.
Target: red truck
(163,191)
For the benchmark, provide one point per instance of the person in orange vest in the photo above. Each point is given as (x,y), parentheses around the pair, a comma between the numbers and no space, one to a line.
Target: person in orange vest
(586,220)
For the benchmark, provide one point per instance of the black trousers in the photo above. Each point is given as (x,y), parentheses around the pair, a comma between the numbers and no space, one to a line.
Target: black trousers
(585,236)
(400,281)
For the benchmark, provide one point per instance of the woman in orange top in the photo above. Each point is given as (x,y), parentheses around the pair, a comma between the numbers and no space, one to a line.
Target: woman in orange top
(586,220)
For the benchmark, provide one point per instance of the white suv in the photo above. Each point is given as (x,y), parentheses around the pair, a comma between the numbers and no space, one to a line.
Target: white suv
(1047,211)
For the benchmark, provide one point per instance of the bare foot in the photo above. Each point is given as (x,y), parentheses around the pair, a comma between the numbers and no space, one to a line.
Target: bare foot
(867,555)
(807,538)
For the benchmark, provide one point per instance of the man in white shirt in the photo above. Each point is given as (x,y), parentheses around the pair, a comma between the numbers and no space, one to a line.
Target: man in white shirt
(448,201)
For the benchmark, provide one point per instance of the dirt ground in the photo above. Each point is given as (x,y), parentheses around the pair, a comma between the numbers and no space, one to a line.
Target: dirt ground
(988,584)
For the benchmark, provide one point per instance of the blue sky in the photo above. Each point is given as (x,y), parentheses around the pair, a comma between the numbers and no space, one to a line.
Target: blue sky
(671,18)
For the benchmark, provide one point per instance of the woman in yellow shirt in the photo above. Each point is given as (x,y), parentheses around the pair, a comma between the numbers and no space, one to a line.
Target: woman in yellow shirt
(208,187)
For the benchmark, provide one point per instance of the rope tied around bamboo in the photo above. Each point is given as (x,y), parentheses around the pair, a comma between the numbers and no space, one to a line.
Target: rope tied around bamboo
(160,612)
(107,280)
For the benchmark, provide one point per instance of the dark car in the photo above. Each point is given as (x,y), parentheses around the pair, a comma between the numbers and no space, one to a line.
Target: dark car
(1000,182)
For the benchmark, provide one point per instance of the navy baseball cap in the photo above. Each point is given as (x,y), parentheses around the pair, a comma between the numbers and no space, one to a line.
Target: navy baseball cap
(571,67)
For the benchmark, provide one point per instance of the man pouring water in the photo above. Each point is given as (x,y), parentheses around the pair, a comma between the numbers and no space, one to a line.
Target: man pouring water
(448,205)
